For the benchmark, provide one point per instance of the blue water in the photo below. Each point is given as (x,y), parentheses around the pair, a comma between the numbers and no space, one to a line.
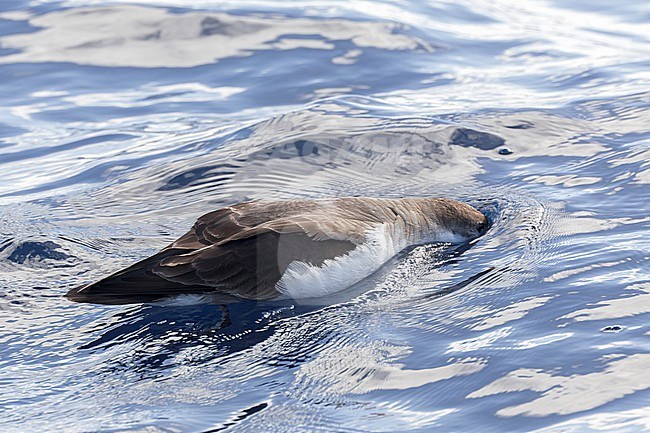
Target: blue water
(120,123)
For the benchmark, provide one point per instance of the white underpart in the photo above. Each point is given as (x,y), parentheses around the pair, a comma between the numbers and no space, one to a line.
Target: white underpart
(302,280)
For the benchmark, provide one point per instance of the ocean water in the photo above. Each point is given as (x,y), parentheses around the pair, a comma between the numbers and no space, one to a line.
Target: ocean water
(121,122)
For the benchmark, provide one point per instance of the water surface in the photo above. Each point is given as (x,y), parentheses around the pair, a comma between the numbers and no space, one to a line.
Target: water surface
(120,123)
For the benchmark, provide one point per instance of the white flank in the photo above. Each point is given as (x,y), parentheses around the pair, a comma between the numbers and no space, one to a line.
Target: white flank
(302,280)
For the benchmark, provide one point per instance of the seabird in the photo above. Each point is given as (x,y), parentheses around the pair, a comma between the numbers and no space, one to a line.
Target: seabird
(264,250)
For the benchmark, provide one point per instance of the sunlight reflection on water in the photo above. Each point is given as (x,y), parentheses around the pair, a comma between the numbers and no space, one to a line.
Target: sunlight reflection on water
(122,123)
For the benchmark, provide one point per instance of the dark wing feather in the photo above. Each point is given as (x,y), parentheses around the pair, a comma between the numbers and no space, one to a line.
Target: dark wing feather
(240,250)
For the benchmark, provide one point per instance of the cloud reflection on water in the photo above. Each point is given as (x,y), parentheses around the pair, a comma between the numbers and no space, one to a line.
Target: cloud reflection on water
(146,37)
(567,394)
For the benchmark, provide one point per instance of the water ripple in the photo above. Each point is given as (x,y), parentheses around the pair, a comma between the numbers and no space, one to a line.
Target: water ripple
(122,123)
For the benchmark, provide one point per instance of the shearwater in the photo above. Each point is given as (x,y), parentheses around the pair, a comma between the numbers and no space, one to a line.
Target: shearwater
(265,250)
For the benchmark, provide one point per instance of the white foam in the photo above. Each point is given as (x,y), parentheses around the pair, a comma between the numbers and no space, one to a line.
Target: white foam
(184,299)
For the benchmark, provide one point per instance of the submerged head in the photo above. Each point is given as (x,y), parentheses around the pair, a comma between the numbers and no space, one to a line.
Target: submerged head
(457,222)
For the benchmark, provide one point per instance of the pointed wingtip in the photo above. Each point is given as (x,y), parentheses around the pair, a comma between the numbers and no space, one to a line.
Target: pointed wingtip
(75,294)
(84,295)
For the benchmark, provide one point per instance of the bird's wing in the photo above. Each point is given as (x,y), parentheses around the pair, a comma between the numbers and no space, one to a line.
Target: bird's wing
(250,262)
(234,251)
